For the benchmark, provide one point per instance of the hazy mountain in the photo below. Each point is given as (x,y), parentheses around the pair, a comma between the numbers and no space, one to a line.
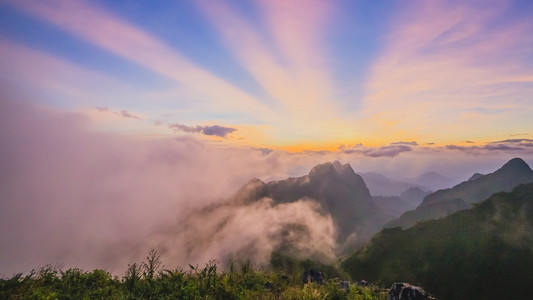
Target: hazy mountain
(337,188)
(461,196)
(480,253)
(380,185)
(397,205)
(475,176)
(413,196)
(432,180)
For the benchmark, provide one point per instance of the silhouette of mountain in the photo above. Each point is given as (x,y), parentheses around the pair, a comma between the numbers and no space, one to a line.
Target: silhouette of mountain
(397,205)
(461,196)
(475,176)
(380,185)
(336,187)
(485,252)
(432,180)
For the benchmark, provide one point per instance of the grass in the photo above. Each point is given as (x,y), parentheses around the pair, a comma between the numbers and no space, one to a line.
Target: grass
(149,280)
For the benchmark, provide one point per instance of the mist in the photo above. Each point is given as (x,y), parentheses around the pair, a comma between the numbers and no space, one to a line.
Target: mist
(76,197)
(73,196)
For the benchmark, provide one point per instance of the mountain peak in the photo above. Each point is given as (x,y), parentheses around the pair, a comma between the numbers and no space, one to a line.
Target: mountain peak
(322,169)
(331,168)
(475,176)
(515,164)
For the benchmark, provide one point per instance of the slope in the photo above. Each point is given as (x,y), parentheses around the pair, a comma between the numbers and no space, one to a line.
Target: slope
(481,253)
(461,196)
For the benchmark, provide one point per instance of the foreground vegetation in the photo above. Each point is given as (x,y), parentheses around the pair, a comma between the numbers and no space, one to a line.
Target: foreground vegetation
(149,280)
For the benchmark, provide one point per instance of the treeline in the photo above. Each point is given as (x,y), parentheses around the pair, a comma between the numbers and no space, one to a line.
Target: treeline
(149,280)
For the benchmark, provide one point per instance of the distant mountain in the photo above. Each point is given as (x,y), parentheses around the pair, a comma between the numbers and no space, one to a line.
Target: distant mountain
(397,205)
(485,252)
(380,185)
(338,190)
(432,180)
(475,176)
(461,196)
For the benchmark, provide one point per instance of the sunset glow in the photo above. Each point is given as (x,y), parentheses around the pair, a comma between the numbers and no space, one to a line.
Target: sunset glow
(300,75)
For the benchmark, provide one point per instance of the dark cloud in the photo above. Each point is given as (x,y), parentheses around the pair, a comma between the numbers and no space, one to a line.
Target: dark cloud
(502,147)
(101,109)
(215,130)
(461,148)
(514,141)
(386,151)
(412,143)
(469,142)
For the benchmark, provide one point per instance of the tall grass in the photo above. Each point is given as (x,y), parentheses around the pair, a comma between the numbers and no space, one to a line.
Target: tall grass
(149,280)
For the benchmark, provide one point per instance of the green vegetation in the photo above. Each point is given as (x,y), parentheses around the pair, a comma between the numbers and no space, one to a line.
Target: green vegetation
(149,280)
(481,253)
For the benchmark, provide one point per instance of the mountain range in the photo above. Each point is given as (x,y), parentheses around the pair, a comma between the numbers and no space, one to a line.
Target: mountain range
(462,196)
(484,252)
(383,186)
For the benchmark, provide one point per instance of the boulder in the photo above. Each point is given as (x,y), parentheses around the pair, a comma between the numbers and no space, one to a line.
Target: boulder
(312,275)
(405,291)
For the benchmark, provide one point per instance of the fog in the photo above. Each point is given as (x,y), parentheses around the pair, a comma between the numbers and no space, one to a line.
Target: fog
(73,196)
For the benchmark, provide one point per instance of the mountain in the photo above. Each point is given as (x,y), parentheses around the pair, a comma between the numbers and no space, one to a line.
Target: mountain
(463,195)
(397,205)
(475,176)
(380,185)
(336,187)
(432,180)
(485,252)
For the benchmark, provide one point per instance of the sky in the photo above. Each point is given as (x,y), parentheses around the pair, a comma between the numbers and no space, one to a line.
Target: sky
(129,112)
(293,75)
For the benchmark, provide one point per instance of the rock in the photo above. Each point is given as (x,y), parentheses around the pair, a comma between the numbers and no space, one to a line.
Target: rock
(362,283)
(312,275)
(344,284)
(405,291)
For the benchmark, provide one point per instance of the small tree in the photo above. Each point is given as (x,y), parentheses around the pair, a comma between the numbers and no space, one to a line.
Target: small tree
(152,265)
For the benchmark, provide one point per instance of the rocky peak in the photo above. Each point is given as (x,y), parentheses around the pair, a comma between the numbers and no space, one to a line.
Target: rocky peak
(515,165)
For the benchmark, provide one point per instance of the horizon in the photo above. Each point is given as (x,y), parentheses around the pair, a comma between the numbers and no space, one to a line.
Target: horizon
(116,114)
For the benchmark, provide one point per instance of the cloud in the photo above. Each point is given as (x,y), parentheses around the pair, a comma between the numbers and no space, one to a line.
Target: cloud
(514,141)
(286,56)
(509,145)
(412,143)
(123,113)
(85,198)
(392,150)
(126,114)
(389,151)
(445,65)
(105,30)
(239,232)
(215,130)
